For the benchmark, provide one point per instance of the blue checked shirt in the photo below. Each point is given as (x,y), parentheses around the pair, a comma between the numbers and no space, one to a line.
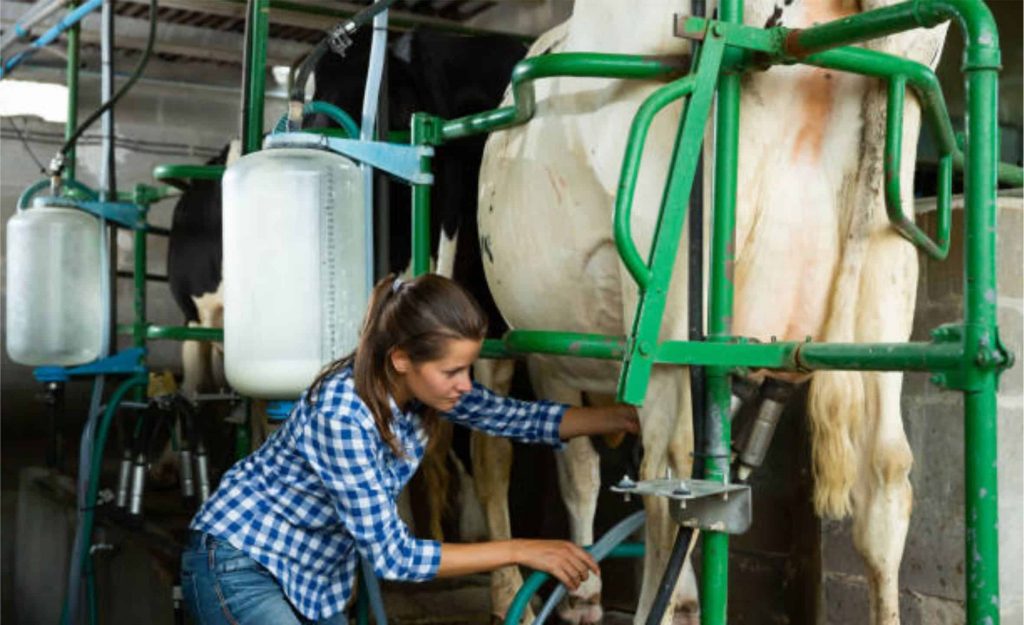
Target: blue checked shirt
(324,486)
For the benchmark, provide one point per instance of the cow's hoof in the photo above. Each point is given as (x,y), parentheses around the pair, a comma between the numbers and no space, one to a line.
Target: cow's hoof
(581,610)
(687,614)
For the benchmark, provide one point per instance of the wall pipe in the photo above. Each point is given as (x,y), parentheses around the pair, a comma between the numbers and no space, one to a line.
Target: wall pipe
(371,98)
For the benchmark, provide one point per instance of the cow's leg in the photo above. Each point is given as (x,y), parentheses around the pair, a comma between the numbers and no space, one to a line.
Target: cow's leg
(667,438)
(579,478)
(882,497)
(492,465)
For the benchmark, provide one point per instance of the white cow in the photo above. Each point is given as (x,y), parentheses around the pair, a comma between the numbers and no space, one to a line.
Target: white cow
(815,257)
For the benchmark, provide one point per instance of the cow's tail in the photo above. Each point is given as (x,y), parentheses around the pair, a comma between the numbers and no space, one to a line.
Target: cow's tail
(835,406)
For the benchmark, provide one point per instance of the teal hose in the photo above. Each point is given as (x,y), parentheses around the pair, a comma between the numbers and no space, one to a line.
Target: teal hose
(82,559)
(27,194)
(609,546)
(25,199)
(342,118)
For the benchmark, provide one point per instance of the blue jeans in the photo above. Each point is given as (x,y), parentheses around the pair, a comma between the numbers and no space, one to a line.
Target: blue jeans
(223,586)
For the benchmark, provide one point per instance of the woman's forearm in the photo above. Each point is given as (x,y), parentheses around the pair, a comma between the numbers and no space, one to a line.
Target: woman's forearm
(569,563)
(468,558)
(593,420)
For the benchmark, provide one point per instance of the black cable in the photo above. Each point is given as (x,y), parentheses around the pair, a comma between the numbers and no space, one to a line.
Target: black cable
(696,285)
(117,96)
(671,576)
(243,128)
(338,39)
(24,142)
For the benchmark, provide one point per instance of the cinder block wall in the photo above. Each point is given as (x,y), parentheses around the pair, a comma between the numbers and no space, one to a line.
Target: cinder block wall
(932,572)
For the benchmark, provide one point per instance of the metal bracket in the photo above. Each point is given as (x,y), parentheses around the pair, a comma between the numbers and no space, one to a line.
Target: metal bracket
(989,353)
(127,214)
(700,504)
(126,362)
(402,161)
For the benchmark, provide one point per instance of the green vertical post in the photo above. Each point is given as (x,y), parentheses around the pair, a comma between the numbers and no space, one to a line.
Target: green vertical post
(981,64)
(421,201)
(74,34)
(259,25)
(139,301)
(715,578)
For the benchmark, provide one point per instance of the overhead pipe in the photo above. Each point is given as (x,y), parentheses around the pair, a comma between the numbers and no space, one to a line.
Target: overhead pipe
(22,29)
(50,35)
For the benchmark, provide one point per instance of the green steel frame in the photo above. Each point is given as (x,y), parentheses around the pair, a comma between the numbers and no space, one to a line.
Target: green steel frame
(967,357)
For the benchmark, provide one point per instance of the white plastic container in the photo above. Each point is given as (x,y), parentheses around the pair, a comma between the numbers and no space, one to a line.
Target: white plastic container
(294,267)
(54,286)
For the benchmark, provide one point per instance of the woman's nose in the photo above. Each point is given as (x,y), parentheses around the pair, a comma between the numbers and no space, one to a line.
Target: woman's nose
(464,384)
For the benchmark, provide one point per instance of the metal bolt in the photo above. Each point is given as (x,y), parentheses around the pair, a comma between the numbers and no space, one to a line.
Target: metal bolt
(625,483)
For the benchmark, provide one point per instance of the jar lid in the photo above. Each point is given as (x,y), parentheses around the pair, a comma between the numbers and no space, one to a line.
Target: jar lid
(296,140)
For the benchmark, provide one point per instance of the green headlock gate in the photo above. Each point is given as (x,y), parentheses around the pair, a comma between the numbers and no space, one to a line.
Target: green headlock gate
(968,356)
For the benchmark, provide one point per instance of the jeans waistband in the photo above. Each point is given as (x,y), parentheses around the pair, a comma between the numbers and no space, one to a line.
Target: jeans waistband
(198,539)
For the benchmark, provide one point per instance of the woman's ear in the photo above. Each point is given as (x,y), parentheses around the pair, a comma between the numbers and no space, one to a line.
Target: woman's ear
(400,360)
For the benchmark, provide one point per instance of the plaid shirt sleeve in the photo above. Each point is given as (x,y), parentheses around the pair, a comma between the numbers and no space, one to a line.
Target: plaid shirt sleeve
(526,421)
(343,452)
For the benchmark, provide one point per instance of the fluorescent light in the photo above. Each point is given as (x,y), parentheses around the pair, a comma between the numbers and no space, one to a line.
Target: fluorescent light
(26,98)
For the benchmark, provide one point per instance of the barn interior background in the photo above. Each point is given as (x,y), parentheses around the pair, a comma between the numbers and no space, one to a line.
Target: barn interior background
(186,107)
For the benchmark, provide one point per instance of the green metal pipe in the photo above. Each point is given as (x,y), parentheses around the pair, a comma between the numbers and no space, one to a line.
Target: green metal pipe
(715,565)
(981,511)
(259,22)
(782,356)
(174,333)
(803,356)
(580,64)
(630,170)
(974,17)
(139,283)
(565,344)
(939,248)
(536,579)
(74,46)
(636,368)
(980,333)
(178,175)
(421,123)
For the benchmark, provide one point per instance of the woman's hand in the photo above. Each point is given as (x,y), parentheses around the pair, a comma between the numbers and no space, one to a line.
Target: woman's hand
(567,562)
(608,420)
(564,560)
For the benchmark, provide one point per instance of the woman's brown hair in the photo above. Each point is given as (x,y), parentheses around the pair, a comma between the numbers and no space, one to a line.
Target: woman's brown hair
(418,316)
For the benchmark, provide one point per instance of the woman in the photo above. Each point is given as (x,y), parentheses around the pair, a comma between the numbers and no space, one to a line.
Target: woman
(279,541)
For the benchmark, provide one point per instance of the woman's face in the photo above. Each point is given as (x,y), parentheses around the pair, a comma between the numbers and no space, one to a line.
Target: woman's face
(439,383)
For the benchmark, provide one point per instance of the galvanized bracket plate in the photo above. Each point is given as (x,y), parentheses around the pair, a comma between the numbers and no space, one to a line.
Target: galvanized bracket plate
(700,504)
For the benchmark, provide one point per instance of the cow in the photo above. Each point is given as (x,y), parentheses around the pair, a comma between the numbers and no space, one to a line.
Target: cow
(814,257)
